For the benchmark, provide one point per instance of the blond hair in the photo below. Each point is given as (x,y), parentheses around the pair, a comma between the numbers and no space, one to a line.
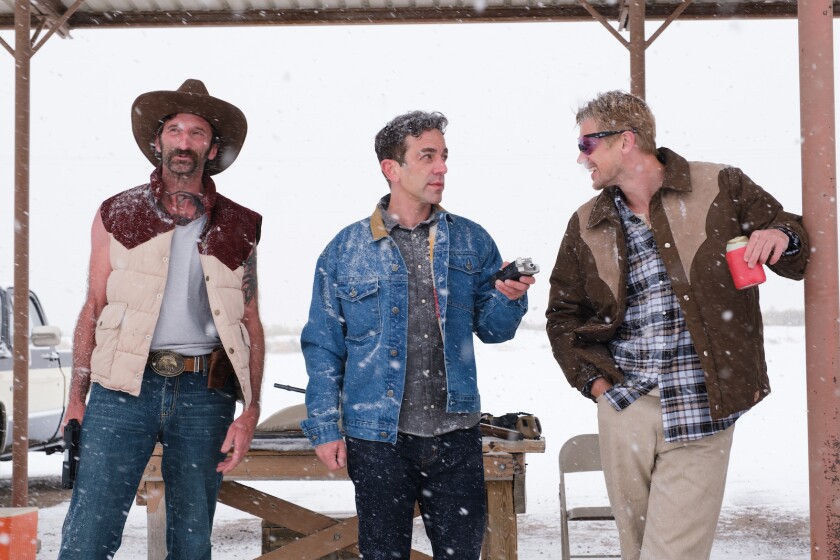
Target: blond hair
(619,110)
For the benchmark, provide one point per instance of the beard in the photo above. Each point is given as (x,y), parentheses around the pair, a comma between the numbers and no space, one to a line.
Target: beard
(183,167)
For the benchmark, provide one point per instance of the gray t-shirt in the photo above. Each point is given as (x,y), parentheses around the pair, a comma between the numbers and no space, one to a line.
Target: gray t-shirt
(185,324)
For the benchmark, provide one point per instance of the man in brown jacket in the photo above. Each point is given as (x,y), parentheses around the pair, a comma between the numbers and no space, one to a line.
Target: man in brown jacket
(644,317)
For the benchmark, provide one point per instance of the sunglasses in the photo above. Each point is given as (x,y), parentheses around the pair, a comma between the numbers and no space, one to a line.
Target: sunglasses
(588,142)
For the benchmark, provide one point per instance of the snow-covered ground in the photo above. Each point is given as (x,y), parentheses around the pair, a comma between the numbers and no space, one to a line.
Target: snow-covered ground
(765,513)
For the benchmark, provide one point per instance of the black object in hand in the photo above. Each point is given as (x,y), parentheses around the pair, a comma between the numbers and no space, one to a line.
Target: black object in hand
(72,431)
(518,268)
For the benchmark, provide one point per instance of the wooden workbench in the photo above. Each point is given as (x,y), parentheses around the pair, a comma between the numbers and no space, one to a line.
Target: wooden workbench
(279,457)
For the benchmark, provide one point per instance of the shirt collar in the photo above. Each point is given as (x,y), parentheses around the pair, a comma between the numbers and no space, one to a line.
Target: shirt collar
(677,178)
(390,221)
(382,223)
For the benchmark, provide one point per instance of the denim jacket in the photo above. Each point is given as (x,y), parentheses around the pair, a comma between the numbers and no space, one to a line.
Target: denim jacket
(354,343)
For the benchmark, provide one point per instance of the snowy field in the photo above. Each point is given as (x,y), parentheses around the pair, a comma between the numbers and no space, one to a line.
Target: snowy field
(765,513)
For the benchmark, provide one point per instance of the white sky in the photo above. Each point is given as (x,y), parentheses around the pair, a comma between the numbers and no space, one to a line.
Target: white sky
(316,96)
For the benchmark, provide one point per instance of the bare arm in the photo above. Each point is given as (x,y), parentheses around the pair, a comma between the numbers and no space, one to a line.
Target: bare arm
(241,432)
(83,337)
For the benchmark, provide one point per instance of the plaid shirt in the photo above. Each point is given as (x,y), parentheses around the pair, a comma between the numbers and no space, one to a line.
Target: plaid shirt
(653,346)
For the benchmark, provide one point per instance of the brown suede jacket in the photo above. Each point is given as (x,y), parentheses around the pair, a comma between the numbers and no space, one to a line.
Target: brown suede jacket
(697,210)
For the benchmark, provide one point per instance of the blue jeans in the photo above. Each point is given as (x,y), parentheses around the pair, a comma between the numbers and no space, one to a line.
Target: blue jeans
(119,432)
(443,474)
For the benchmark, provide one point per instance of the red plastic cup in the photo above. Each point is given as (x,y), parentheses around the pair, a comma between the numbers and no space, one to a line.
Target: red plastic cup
(742,274)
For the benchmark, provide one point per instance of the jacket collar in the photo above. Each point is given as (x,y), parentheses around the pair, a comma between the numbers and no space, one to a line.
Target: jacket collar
(377,223)
(677,178)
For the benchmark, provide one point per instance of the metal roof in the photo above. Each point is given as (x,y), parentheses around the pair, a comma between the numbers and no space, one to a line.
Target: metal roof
(180,13)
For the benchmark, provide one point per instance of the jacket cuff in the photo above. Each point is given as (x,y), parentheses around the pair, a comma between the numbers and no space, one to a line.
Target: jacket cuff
(320,433)
(794,243)
(586,391)
(590,373)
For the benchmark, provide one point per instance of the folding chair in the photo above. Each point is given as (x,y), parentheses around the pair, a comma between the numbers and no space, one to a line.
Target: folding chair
(580,454)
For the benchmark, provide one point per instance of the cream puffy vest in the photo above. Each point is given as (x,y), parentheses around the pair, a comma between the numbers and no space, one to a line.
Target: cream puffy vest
(141,236)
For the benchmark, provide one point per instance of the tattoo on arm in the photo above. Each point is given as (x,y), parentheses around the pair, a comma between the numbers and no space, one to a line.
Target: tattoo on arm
(249,280)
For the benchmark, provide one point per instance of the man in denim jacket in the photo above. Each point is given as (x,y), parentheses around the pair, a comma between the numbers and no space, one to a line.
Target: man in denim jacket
(389,352)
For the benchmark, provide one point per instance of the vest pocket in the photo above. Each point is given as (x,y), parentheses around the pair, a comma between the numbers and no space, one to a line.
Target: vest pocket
(240,353)
(107,337)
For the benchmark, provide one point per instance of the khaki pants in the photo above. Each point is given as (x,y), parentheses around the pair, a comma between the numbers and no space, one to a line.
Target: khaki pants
(666,497)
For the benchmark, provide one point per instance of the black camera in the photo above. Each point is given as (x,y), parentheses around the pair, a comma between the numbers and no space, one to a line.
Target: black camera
(519,267)
(72,432)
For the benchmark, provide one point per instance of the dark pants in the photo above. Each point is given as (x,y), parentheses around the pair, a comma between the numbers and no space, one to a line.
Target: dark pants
(443,474)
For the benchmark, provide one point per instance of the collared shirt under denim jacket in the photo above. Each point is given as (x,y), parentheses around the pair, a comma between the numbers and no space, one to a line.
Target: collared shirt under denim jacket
(354,343)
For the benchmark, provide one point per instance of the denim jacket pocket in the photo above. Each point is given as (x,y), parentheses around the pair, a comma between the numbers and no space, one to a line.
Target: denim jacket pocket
(464,272)
(360,308)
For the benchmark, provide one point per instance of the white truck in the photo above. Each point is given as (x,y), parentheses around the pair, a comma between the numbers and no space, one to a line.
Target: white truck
(49,378)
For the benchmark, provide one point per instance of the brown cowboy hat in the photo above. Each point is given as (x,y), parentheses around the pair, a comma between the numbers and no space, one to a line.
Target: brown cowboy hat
(228,121)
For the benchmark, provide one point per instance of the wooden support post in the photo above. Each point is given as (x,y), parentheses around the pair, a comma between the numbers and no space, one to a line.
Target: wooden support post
(500,541)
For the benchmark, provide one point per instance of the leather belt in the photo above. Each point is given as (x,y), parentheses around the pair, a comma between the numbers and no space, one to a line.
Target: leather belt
(171,364)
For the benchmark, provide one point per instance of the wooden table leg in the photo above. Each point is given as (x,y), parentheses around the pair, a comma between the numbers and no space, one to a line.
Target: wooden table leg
(154,496)
(500,541)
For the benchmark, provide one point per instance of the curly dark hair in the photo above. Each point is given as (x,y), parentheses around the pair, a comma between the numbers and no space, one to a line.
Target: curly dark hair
(390,141)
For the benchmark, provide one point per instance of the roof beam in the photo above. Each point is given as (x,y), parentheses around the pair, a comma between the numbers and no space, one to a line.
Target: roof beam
(50,11)
(437,14)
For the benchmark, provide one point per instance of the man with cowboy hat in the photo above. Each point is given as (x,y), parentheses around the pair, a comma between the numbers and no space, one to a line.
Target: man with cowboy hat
(170,331)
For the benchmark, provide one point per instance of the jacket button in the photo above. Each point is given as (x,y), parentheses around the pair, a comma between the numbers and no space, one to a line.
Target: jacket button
(353,292)
(216,312)
(230,350)
(383,434)
(395,267)
(314,438)
(395,310)
(394,352)
(469,265)
(390,393)
(685,297)
(206,278)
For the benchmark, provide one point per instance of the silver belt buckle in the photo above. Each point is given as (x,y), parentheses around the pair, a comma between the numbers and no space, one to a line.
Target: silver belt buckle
(167,363)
